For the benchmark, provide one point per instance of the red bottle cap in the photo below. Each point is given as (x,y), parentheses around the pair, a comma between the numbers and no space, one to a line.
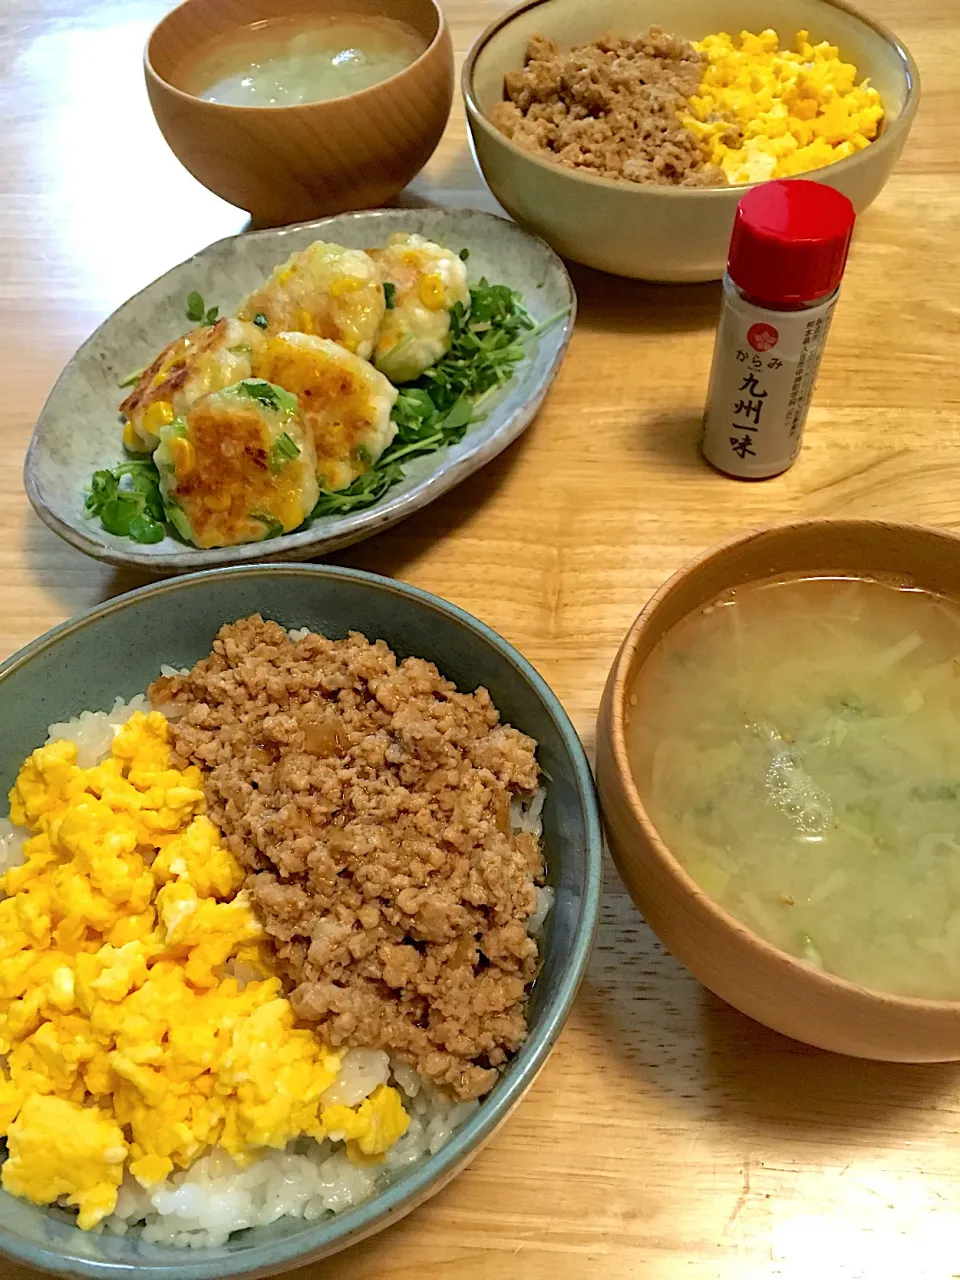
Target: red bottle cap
(790,241)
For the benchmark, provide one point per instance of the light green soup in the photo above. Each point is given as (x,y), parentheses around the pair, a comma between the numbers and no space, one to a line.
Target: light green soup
(797,746)
(285,62)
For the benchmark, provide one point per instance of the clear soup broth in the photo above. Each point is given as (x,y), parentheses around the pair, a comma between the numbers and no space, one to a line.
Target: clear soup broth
(797,746)
(285,62)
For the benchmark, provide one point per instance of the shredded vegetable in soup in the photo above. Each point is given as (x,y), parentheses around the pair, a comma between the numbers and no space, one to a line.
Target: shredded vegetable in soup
(797,745)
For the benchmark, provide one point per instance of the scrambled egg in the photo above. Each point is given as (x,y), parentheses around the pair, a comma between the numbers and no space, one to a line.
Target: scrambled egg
(126,1045)
(793,110)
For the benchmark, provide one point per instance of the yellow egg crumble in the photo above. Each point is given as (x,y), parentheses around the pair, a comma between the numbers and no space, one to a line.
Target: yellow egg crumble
(795,110)
(127,1046)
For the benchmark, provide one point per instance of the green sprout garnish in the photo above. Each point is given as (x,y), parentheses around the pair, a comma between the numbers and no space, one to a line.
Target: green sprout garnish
(128,501)
(197,312)
(487,342)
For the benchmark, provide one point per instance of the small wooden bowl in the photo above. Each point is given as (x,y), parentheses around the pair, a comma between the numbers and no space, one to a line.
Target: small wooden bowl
(747,972)
(290,164)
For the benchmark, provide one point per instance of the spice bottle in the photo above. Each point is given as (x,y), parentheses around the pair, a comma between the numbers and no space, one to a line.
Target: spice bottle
(787,255)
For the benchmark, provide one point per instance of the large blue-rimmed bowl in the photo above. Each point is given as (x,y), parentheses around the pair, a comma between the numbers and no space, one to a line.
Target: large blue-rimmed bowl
(116,649)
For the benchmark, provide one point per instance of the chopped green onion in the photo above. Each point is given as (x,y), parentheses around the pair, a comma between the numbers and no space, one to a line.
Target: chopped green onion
(178,518)
(267,394)
(284,450)
(260,320)
(390,295)
(274,526)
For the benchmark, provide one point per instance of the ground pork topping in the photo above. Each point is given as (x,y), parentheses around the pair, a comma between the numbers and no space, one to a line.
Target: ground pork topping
(612,108)
(371,803)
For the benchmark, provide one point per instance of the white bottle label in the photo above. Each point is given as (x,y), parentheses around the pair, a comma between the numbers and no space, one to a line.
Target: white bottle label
(764,367)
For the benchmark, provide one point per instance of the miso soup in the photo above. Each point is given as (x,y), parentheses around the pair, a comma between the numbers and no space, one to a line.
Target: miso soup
(797,746)
(285,62)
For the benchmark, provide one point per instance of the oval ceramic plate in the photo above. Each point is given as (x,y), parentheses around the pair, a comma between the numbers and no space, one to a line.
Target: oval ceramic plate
(78,430)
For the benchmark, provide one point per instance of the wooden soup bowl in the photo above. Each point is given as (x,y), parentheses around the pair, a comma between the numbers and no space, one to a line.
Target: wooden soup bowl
(290,164)
(733,962)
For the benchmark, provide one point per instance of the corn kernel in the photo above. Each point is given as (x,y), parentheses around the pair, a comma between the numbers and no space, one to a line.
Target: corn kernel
(183,454)
(431,292)
(347,285)
(159,414)
(288,511)
(173,358)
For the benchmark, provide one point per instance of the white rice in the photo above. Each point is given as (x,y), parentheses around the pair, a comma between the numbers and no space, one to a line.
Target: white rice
(205,1204)
(94,731)
(11,845)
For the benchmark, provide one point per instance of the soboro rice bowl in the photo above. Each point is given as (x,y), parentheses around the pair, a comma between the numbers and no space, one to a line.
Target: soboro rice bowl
(225,998)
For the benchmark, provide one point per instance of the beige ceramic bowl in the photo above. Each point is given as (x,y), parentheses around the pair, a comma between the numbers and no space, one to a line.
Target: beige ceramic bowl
(667,233)
(727,957)
(291,164)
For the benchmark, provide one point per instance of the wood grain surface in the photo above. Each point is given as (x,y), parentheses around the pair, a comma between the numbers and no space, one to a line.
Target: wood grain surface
(668,1136)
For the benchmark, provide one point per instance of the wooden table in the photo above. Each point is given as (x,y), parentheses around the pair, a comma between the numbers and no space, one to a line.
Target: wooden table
(668,1136)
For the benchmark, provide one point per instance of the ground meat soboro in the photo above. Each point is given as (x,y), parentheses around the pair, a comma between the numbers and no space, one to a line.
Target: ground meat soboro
(371,803)
(611,108)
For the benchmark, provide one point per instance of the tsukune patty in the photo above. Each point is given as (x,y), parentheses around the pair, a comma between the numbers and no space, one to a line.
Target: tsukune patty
(425,281)
(203,360)
(238,467)
(324,290)
(345,404)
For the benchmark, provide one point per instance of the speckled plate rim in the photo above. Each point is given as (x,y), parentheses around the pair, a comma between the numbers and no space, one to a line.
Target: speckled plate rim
(432,1174)
(304,543)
